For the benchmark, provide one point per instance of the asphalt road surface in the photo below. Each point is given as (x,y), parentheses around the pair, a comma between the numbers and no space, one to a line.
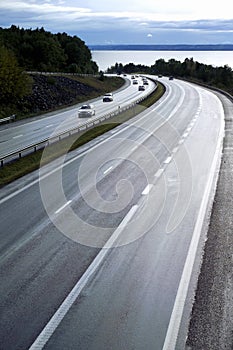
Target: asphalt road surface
(19,136)
(139,191)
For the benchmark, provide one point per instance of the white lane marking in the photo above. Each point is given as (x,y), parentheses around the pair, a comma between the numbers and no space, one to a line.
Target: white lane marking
(147,189)
(181,141)
(56,319)
(106,171)
(113,131)
(177,312)
(175,150)
(94,147)
(185,135)
(49,126)
(159,172)
(167,161)
(16,137)
(134,148)
(63,207)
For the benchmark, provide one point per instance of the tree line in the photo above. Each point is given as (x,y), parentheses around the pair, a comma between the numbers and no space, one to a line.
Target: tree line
(24,50)
(220,77)
(40,50)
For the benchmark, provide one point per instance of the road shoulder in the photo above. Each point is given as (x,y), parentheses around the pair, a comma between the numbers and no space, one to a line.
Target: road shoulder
(212,314)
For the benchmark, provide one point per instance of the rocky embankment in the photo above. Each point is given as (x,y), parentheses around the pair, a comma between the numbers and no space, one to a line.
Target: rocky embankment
(50,92)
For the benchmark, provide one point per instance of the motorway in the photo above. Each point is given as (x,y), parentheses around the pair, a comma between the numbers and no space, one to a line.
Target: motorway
(23,135)
(99,240)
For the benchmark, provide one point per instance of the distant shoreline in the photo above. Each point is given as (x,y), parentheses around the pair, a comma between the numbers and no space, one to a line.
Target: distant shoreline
(178,47)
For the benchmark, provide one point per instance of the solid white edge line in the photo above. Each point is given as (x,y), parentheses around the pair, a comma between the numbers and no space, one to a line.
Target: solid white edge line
(63,207)
(177,312)
(56,319)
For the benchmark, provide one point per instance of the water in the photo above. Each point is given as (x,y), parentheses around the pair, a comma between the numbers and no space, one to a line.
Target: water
(105,59)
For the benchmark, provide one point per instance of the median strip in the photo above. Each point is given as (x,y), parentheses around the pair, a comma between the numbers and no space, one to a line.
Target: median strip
(29,163)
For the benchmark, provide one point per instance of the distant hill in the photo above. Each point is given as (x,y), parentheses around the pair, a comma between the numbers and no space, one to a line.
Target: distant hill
(177,47)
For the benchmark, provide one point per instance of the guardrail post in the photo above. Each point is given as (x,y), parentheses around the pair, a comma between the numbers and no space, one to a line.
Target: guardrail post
(2,163)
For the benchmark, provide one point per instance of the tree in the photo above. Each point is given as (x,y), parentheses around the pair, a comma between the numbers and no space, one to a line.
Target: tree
(14,83)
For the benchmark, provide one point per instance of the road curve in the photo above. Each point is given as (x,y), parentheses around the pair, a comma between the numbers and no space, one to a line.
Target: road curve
(15,137)
(146,178)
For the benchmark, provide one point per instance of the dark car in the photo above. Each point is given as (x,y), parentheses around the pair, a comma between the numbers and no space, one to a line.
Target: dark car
(108,97)
(141,88)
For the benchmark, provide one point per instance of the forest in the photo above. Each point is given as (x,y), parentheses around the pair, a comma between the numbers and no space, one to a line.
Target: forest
(40,50)
(220,77)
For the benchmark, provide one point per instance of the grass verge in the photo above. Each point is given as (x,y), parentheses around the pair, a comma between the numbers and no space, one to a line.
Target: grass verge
(27,164)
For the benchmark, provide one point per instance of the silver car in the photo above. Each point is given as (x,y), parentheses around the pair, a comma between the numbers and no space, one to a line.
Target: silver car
(86,111)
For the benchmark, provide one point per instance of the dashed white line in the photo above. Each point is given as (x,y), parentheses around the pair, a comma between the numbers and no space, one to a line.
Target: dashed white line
(56,319)
(107,170)
(147,189)
(63,207)
(16,137)
(185,134)
(175,150)
(167,161)
(49,126)
(159,172)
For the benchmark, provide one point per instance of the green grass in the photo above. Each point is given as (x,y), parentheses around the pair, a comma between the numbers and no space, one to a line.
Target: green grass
(27,164)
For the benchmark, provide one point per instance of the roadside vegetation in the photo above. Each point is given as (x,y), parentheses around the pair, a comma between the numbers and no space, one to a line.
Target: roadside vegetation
(28,56)
(52,92)
(18,168)
(219,77)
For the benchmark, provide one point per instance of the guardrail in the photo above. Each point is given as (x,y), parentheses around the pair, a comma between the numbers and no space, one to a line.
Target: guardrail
(34,147)
(8,119)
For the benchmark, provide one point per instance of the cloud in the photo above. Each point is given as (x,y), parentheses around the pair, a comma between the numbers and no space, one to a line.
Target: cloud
(104,20)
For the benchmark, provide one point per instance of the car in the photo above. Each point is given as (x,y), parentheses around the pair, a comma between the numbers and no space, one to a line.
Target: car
(108,97)
(145,82)
(141,88)
(160,76)
(132,77)
(86,110)
(135,82)
(171,77)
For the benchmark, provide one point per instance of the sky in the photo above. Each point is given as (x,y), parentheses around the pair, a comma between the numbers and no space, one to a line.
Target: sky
(126,21)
